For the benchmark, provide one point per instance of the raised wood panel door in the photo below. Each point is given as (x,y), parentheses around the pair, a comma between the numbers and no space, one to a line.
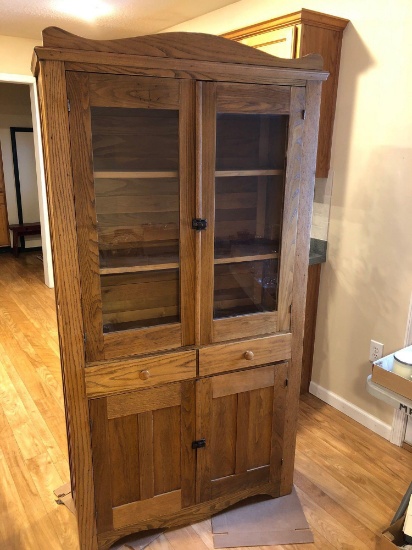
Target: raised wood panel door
(133,171)
(250,196)
(241,417)
(143,462)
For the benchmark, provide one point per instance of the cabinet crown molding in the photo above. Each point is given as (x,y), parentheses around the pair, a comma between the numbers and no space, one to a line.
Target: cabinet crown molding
(176,45)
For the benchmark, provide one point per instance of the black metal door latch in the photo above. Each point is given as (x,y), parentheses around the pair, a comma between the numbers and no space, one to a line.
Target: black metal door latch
(199,444)
(199,224)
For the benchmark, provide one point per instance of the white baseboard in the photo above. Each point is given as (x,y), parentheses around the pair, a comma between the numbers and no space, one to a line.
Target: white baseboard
(351,410)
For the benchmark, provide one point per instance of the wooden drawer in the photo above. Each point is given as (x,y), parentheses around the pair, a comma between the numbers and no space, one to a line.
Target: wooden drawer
(131,374)
(247,353)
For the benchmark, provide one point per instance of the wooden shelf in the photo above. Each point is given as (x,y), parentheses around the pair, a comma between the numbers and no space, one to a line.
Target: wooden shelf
(232,173)
(136,175)
(138,268)
(251,258)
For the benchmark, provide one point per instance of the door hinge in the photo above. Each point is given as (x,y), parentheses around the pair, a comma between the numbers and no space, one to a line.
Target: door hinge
(199,444)
(68,105)
(199,224)
(281,461)
(84,337)
(304,114)
(286,382)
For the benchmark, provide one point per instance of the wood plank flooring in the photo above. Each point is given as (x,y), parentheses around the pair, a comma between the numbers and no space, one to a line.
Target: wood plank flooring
(349,480)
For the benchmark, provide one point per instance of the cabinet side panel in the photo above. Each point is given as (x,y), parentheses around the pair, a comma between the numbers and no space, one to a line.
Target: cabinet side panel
(309,145)
(56,147)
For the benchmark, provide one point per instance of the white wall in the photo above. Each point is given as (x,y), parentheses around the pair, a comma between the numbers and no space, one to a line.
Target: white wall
(367,280)
(16,54)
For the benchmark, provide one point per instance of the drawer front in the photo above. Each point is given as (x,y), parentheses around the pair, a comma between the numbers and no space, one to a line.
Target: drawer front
(247,353)
(112,377)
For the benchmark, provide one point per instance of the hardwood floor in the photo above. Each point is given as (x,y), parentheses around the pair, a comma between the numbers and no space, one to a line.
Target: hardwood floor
(349,480)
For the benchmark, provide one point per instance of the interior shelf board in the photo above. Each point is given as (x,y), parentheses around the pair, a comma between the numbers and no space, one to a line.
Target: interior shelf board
(232,173)
(141,174)
(252,258)
(138,268)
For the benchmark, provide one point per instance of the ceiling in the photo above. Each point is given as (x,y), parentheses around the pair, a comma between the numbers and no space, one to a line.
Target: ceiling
(100,18)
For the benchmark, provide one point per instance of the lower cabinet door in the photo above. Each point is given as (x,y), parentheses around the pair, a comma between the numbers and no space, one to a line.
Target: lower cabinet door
(143,461)
(241,418)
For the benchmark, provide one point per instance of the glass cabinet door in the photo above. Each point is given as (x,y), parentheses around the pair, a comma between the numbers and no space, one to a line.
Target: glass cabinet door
(247,179)
(135,171)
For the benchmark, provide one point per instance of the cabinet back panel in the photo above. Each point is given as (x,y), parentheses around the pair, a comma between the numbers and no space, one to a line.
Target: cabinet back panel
(148,142)
(142,299)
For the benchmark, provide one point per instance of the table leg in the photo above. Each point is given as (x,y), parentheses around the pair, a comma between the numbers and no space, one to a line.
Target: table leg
(15,243)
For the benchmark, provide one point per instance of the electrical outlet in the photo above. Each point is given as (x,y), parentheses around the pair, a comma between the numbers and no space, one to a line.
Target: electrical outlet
(375,351)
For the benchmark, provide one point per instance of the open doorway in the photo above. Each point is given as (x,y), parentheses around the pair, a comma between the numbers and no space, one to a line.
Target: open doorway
(24,197)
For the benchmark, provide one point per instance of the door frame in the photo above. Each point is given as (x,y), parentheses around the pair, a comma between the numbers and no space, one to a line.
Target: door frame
(41,181)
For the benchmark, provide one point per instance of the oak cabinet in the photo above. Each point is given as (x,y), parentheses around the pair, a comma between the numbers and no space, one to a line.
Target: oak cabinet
(295,35)
(180,172)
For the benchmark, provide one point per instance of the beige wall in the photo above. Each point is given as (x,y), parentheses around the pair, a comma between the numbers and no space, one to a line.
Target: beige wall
(367,281)
(16,54)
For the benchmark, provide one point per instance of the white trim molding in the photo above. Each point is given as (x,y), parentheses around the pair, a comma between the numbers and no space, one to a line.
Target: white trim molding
(41,182)
(351,410)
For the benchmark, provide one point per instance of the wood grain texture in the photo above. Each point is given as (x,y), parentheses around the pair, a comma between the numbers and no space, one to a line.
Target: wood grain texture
(311,309)
(120,376)
(101,466)
(146,509)
(193,46)
(59,184)
(130,342)
(208,161)
(247,325)
(143,400)
(235,98)
(281,385)
(308,166)
(242,381)
(290,208)
(145,452)
(126,91)
(337,474)
(187,176)
(83,182)
(231,356)
(180,68)
(187,436)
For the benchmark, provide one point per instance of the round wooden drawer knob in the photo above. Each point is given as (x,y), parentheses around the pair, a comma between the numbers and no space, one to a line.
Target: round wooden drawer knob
(144,375)
(249,355)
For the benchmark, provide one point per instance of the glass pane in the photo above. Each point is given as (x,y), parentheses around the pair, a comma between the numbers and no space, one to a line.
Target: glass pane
(135,163)
(249,193)
(250,142)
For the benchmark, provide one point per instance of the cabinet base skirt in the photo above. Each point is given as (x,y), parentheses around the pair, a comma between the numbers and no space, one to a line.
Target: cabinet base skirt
(192,514)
